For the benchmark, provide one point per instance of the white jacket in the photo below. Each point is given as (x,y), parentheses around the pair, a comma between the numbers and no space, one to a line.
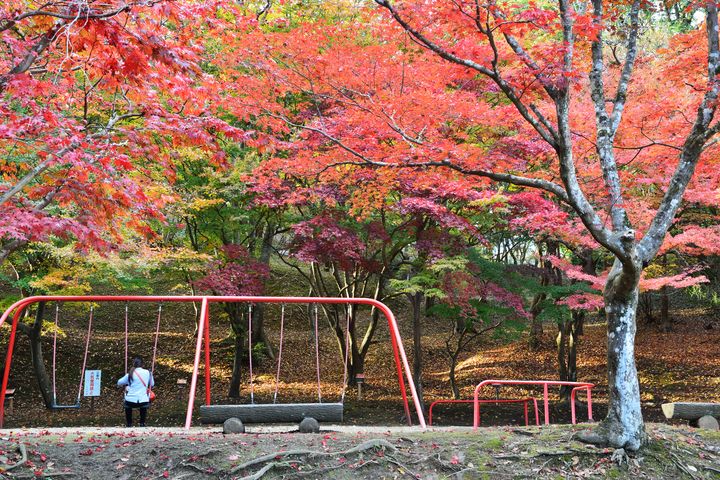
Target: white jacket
(135,391)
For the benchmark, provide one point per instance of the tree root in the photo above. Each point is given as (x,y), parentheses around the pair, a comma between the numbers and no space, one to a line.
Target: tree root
(4,467)
(682,467)
(42,475)
(265,469)
(602,436)
(368,445)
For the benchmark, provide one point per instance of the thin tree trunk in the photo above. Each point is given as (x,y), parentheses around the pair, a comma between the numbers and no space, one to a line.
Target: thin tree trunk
(453,381)
(36,354)
(237,323)
(235,379)
(258,320)
(665,322)
(416,301)
(568,340)
(536,326)
(561,342)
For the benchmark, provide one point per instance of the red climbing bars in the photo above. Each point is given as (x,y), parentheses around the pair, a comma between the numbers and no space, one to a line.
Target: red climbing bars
(401,361)
(545,383)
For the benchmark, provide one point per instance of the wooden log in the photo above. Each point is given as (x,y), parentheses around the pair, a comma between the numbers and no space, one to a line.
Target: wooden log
(690,410)
(272,413)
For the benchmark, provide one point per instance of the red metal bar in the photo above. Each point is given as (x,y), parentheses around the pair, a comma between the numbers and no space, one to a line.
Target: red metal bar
(524,401)
(206,319)
(398,348)
(8,360)
(544,383)
(196,364)
(572,402)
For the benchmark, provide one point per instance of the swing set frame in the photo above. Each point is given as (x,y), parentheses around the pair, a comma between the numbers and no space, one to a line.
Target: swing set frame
(203,336)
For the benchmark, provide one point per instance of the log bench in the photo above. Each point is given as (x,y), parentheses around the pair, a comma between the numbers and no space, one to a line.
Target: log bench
(272,412)
(703,415)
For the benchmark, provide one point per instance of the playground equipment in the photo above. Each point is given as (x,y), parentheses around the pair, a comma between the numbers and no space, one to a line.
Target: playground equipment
(55,405)
(577,386)
(203,338)
(496,401)
(282,412)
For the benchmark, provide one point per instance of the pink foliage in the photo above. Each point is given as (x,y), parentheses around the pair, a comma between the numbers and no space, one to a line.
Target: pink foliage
(695,240)
(439,213)
(583,301)
(574,272)
(238,274)
(681,280)
(462,287)
(537,215)
(322,239)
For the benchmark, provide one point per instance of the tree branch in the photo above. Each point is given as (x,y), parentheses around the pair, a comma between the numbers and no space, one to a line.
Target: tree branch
(605,124)
(507,89)
(692,147)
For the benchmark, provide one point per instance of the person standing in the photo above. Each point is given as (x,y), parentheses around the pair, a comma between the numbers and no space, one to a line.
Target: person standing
(136,382)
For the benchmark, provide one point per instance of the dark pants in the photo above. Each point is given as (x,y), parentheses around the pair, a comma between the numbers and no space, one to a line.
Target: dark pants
(143,412)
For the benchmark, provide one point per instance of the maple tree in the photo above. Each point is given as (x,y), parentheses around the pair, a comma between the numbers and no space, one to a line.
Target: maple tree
(96,101)
(520,95)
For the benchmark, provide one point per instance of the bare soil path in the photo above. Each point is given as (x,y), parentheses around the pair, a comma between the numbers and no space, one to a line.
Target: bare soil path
(350,452)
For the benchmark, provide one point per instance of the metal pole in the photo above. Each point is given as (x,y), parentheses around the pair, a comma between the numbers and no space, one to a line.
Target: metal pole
(206,319)
(8,359)
(196,364)
(398,348)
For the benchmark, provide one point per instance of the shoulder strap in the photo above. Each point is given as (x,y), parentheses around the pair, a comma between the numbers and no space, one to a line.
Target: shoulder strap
(140,378)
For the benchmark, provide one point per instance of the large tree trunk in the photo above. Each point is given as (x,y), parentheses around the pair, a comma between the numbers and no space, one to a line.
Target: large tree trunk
(623,427)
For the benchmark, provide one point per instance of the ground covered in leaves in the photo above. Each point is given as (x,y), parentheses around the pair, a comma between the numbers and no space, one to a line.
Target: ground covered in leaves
(498,452)
(678,366)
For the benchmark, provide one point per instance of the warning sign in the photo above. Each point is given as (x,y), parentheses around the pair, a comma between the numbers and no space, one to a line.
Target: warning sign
(92,383)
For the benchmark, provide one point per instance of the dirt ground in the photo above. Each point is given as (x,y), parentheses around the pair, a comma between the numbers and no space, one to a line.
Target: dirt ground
(350,452)
(681,366)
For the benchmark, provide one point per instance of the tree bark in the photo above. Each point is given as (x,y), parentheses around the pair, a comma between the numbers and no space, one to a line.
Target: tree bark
(258,320)
(623,427)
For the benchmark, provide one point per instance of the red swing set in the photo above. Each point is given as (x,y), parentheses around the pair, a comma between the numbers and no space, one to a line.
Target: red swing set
(203,338)
(54,405)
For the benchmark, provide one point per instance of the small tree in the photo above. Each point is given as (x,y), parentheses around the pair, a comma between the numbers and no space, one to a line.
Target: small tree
(236,274)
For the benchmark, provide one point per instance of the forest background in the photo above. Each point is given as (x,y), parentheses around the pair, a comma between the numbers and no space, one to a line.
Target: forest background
(426,155)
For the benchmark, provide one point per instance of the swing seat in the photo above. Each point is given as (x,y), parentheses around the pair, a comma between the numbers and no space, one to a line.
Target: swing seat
(56,406)
(272,412)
